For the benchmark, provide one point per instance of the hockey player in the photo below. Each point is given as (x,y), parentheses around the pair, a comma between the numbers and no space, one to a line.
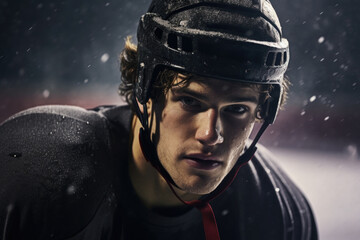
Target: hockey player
(175,163)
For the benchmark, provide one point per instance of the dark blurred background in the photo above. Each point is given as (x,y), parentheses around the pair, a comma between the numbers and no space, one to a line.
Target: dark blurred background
(66,52)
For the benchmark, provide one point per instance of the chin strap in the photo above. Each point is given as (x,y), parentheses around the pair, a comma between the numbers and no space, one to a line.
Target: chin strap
(208,216)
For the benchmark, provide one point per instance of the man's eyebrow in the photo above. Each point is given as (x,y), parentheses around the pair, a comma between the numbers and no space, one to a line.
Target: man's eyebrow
(204,97)
(193,93)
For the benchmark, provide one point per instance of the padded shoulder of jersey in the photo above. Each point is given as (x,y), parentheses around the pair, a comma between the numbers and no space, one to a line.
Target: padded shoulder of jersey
(55,170)
(297,216)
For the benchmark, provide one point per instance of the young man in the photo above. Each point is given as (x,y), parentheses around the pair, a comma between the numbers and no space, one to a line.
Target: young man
(176,163)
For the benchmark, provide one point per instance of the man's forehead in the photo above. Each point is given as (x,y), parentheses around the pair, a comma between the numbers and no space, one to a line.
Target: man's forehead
(220,85)
(213,87)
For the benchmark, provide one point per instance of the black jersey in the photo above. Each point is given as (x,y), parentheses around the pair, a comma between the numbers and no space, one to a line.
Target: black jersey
(64,175)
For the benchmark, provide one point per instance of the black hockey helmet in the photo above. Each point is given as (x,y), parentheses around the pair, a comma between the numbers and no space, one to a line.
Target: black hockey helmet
(237,40)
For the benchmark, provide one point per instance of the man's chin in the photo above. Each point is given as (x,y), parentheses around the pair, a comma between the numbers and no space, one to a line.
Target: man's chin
(198,189)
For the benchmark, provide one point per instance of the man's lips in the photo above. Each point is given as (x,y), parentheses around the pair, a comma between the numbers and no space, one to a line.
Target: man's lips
(202,161)
(205,157)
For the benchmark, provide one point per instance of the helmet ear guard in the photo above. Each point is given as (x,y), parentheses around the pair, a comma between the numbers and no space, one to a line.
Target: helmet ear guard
(272,104)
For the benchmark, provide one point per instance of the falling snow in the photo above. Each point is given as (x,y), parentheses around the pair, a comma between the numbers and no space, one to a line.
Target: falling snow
(321,40)
(46,93)
(105,57)
(312,99)
(352,151)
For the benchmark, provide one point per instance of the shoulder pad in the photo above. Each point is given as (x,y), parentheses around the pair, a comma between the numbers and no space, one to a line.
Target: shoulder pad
(55,169)
(296,216)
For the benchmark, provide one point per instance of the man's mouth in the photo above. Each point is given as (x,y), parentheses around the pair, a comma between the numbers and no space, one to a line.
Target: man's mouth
(203,163)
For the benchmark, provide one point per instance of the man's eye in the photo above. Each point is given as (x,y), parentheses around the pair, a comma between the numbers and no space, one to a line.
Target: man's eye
(236,109)
(189,102)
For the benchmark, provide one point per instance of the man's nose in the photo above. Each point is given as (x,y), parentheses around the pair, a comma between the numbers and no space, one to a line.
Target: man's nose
(209,131)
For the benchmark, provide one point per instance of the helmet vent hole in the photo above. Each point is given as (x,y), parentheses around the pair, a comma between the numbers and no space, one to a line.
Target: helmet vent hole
(270,59)
(285,57)
(278,59)
(158,34)
(186,44)
(172,41)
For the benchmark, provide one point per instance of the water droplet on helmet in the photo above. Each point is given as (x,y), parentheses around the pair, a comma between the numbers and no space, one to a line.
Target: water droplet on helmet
(184,23)
(15,154)
(71,190)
